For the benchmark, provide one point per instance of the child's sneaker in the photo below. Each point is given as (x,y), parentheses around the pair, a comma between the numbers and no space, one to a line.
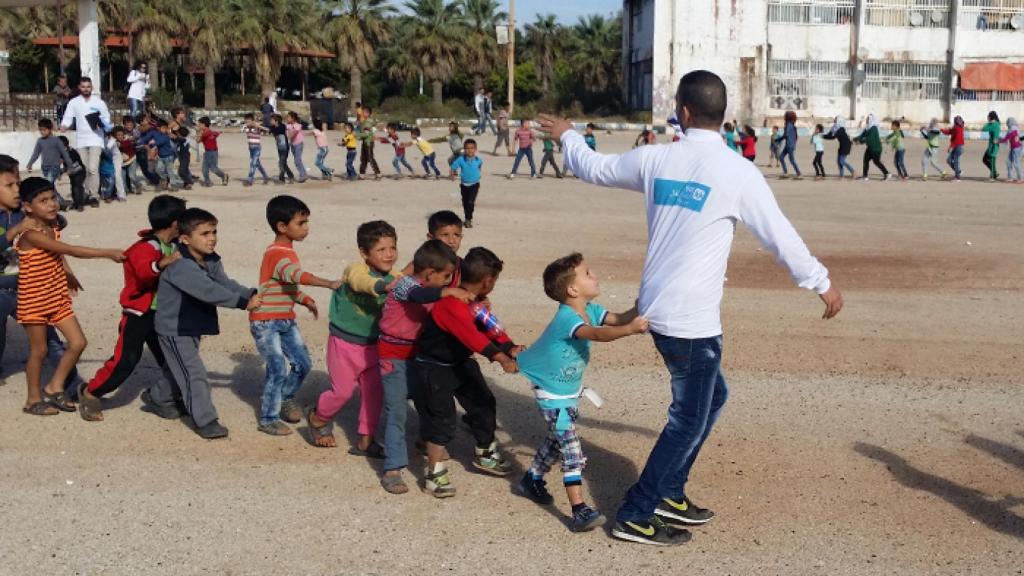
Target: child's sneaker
(511,176)
(685,512)
(438,484)
(275,428)
(653,531)
(586,519)
(468,223)
(535,489)
(247,183)
(491,461)
(212,431)
(225,179)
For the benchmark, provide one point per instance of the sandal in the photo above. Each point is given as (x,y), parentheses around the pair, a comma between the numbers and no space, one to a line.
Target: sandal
(275,428)
(89,406)
(323,437)
(60,402)
(291,412)
(394,484)
(40,409)
(375,451)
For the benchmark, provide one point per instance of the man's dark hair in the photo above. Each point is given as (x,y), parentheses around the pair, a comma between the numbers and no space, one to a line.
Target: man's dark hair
(85,79)
(433,254)
(369,233)
(45,123)
(191,218)
(33,186)
(439,220)
(164,210)
(480,263)
(250,116)
(8,164)
(559,275)
(703,94)
(205,121)
(468,141)
(281,209)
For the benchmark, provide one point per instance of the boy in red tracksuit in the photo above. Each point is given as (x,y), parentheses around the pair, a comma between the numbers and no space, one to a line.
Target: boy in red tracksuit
(145,259)
(445,371)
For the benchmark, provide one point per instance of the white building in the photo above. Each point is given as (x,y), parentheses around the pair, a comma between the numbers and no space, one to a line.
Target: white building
(913,59)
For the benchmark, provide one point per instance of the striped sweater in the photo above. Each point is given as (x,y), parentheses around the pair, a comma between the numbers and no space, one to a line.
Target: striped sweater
(280,277)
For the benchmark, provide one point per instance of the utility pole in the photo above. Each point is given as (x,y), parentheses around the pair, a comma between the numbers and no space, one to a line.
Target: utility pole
(511,56)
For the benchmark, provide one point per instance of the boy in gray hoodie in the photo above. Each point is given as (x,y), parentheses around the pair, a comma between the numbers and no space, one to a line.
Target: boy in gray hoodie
(189,293)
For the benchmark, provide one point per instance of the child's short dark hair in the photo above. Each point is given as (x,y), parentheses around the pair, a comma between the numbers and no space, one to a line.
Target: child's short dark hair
(182,131)
(468,141)
(415,132)
(45,123)
(318,124)
(728,126)
(250,116)
(443,218)
(161,123)
(559,275)
(820,128)
(175,111)
(8,164)
(480,263)
(33,186)
(164,210)
(281,209)
(895,123)
(369,233)
(392,126)
(116,129)
(277,117)
(591,125)
(293,114)
(191,218)
(127,118)
(433,254)
(350,126)
(205,121)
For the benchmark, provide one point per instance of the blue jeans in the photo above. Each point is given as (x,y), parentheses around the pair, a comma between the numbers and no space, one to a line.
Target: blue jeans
(54,346)
(297,158)
(350,164)
(899,158)
(52,173)
(792,158)
(698,396)
(255,164)
(400,161)
(280,344)
(321,154)
(395,375)
(135,107)
(210,159)
(528,153)
(954,159)
(165,169)
(1013,163)
(429,162)
(844,163)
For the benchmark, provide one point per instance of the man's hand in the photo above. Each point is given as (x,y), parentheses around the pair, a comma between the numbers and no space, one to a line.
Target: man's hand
(554,126)
(638,325)
(169,259)
(833,300)
(311,306)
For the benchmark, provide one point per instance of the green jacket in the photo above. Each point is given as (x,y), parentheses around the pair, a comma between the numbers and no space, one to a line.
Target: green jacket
(895,139)
(872,139)
(356,306)
(993,129)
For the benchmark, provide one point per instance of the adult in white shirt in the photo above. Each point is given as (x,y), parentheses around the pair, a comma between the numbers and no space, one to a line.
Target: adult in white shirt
(88,138)
(138,85)
(695,191)
(479,106)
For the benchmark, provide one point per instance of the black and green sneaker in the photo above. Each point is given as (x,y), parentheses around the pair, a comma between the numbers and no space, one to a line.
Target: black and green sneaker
(684,513)
(653,531)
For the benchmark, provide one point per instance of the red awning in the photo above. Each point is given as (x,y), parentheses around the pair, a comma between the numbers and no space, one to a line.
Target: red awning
(992,76)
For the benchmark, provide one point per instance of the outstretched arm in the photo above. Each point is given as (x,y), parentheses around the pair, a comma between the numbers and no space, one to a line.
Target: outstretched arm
(612,170)
(42,241)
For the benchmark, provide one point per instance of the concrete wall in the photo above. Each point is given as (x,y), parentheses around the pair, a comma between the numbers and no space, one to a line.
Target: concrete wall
(824,43)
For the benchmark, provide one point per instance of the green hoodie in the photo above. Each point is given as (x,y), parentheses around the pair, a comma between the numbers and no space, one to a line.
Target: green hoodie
(872,139)
(993,129)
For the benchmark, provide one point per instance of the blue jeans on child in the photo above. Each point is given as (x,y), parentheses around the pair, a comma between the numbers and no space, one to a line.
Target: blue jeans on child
(350,164)
(52,173)
(297,158)
(165,169)
(790,152)
(1013,163)
(255,164)
(954,159)
(280,344)
(430,162)
(321,155)
(210,160)
(394,377)
(399,161)
(844,163)
(528,154)
(698,396)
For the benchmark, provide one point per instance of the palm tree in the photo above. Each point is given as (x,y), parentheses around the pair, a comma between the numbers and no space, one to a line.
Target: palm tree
(156,23)
(435,39)
(10,29)
(395,60)
(481,54)
(545,41)
(356,28)
(210,37)
(270,28)
(597,52)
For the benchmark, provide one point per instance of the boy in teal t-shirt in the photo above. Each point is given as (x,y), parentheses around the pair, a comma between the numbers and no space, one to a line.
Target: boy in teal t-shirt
(555,366)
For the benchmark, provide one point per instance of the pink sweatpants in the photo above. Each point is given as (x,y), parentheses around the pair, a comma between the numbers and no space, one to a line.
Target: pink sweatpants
(350,365)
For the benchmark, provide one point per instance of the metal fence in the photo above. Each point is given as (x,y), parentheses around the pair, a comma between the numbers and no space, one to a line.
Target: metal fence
(811,11)
(989,95)
(992,15)
(911,13)
(23,111)
(904,81)
(792,83)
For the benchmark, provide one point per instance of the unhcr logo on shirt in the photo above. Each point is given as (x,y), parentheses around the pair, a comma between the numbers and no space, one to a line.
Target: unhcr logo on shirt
(689,195)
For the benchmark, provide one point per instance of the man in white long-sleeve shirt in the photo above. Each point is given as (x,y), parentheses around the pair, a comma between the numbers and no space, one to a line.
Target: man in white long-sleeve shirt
(138,85)
(89,135)
(696,190)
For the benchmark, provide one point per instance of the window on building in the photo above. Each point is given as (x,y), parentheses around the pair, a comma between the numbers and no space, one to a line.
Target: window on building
(793,83)
(912,13)
(903,81)
(810,11)
(992,15)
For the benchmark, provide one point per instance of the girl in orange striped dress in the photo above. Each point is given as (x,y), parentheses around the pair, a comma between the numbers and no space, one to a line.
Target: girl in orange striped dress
(45,287)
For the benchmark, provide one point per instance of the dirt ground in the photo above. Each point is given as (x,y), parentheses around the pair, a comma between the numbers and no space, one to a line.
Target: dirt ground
(889,440)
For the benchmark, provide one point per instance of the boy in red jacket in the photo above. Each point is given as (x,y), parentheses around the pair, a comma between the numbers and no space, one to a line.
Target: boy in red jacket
(446,370)
(145,259)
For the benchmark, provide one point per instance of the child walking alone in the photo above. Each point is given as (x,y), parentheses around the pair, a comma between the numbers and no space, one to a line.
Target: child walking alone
(818,141)
(45,287)
(468,167)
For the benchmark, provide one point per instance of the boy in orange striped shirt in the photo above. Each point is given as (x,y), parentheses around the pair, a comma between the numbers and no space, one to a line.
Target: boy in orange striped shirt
(273,323)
